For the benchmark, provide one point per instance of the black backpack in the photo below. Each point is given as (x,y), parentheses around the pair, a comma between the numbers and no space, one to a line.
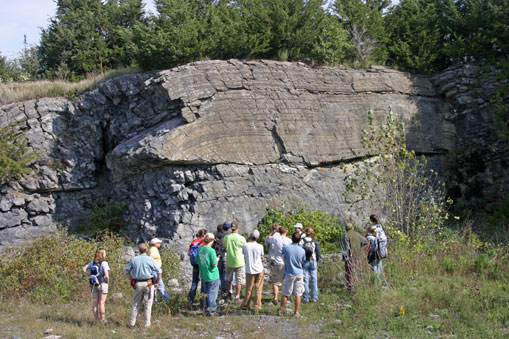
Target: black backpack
(309,247)
(95,271)
(218,245)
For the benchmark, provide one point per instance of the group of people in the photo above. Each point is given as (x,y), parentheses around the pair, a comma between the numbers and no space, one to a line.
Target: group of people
(225,261)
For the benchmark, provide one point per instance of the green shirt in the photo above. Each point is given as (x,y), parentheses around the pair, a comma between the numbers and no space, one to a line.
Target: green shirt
(206,259)
(234,256)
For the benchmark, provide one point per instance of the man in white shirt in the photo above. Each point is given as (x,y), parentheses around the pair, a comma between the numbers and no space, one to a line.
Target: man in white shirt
(276,242)
(253,254)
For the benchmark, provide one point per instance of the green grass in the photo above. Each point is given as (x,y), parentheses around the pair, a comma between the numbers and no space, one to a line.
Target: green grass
(444,289)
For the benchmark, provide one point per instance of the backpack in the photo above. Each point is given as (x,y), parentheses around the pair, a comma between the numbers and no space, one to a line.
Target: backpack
(373,250)
(193,252)
(95,270)
(309,247)
(381,239)
(218,245)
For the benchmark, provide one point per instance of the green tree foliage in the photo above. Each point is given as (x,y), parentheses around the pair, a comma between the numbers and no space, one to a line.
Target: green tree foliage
(393,180)
(364,21)
(104,217)
(6,69)
(15,156)
(414,35)
(85,36)
(328,231)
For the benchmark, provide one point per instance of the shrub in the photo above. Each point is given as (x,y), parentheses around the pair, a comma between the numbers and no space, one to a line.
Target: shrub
(15,156)
(328,231)
(393,180)
(105,216)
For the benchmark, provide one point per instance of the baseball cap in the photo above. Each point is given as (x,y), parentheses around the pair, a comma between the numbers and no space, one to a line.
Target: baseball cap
(227,224)
(297,225)
(155,241)
(210,236)
(255,234)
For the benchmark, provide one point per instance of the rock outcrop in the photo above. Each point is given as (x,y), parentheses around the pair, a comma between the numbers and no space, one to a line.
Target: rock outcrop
(210,141)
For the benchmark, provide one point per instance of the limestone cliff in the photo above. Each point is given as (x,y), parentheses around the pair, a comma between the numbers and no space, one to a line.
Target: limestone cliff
(210,141)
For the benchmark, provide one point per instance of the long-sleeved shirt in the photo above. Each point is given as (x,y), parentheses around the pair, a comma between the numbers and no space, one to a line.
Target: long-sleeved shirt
(142,267)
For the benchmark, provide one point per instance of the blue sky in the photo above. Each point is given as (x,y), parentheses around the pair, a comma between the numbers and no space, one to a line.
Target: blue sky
(20,17)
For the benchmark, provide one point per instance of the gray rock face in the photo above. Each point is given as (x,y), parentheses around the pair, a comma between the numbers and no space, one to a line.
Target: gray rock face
(190,147)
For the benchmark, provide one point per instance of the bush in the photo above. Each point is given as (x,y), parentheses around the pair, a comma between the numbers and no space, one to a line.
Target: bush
(104,217)
(49,269)
(15,156)
(328,231)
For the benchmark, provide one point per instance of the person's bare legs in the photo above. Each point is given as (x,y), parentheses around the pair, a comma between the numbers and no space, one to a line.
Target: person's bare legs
(95,308)
(283,303)
(102,308)
(275,290)
(238,288)
(297,304)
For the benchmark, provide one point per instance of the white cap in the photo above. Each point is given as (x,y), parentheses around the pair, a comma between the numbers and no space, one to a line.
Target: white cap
(210,236)
(298,225)
(155,241)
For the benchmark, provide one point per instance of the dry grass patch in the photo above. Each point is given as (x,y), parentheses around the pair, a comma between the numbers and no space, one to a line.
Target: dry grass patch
(22,91)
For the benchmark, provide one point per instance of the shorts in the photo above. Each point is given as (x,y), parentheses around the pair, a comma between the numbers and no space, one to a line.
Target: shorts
(293,285)
(240,275)
(277,273)
(101,289)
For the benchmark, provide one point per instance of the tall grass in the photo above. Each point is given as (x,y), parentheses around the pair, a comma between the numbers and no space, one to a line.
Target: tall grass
(22,91)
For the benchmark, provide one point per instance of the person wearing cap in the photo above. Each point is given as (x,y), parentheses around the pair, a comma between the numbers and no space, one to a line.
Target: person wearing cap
(207,262)
(293,282)
(298,228)
(139,273)
(253,254)
(235,266)
(218,246)
(275,242)
(153,252)
(351,254)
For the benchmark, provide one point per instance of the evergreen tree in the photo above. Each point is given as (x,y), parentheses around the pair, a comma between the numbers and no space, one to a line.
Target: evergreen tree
(363,20)
(175,37)
(76,38)
(414,36)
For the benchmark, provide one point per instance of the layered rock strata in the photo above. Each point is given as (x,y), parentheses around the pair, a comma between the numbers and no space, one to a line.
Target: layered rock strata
(193,146)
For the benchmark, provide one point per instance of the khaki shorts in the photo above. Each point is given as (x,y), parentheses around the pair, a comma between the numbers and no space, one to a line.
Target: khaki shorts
(277,273)
(240,275)
(101,289)
(293,285)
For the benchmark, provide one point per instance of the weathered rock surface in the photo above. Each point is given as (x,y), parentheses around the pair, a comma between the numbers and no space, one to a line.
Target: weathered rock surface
(193,146)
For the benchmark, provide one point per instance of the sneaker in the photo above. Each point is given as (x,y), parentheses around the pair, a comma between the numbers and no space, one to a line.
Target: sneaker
(297,315)
(275,302)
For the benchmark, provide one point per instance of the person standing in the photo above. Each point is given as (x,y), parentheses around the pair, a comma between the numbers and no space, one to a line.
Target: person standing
(293,282)
(139,271)
(310,267)
(253,253)
(381,241)
(153,252)
(374,259)
(352,245)
(207,262)
(235,265)
(218,246)
(297,228)
(193,252)
(275,242)
(100,288)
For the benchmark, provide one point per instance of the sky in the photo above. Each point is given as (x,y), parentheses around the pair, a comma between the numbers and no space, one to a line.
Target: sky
(20,17)
(27,17)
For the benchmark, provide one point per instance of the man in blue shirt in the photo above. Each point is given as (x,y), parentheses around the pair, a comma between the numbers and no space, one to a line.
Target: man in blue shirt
(293,283)
(139,271)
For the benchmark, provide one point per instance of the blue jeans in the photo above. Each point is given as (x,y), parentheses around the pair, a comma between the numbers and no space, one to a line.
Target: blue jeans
(211,289)
(221,266)
(377,267)
(161,290)
(194,284)
(310,270)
